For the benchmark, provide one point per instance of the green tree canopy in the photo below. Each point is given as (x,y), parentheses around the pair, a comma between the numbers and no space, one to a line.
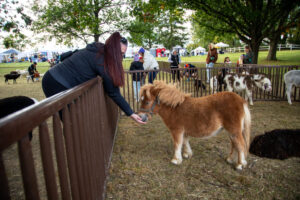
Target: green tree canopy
(250,20)
(12,21)
(85,20)
(157,22)
(203,35)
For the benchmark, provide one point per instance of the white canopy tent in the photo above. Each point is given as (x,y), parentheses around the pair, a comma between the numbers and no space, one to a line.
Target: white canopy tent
(221,44)
(198,50)
(25,54)
(4,57)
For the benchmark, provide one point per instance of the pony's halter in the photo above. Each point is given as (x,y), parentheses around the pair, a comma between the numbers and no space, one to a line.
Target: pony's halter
(150,111)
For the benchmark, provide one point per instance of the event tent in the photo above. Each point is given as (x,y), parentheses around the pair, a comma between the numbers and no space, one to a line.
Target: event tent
(11,51)
(198,50)
(221,44)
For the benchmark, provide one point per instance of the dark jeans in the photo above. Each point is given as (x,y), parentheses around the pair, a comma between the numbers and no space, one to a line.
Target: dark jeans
(51,87)
(175,72)
(152,76)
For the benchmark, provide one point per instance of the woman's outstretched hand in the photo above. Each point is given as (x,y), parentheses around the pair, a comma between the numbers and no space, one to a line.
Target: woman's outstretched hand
(137,118)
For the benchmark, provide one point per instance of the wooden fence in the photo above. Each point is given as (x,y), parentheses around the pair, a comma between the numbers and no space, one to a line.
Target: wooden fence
(274,73)
(75,149)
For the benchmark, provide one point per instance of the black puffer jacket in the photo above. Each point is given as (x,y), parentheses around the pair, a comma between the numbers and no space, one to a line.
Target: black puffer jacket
(85,65)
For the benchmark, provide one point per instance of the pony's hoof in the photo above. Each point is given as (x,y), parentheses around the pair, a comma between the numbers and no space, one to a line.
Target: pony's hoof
(239,167)
(176,161)
(187,155)
(229,160)
(244,163)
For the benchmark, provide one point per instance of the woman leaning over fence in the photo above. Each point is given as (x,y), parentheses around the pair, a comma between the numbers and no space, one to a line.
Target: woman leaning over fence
(82,65)
(211,59)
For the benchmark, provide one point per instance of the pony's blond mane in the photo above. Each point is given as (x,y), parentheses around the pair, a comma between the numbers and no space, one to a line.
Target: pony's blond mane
(168,94)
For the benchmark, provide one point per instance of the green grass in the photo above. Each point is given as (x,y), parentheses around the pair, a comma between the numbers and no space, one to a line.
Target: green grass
(5,68)
(284,58)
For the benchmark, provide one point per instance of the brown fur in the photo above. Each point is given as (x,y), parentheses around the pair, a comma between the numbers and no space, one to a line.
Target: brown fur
(199,117)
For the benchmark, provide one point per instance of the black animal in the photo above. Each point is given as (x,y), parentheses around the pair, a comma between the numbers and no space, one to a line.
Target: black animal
(221,75)
(198,83)
(12,104)
(12,75)
(278,144)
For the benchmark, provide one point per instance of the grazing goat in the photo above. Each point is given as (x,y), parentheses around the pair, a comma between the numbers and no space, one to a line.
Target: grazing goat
(13,75)
(12,104)
(291,78)
(242,82)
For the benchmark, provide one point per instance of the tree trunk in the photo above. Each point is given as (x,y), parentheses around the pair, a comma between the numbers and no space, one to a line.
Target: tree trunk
(255,49)
(96,37)
(273,47)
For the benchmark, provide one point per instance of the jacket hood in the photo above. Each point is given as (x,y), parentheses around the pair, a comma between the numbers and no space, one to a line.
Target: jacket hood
(94,47)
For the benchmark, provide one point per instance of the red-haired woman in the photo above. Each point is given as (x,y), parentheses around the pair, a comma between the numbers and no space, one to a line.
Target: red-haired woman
(96,59)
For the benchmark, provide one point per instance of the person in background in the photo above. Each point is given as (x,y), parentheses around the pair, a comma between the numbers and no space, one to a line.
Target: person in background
(150,63)
(248,57)
(83,65)
(32,71)
(137,77)
(175,60)
(211,59)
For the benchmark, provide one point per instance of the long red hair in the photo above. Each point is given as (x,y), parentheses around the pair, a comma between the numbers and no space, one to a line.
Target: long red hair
(113,59)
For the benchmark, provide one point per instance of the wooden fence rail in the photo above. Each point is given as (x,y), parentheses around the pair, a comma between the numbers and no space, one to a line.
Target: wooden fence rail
(82,131)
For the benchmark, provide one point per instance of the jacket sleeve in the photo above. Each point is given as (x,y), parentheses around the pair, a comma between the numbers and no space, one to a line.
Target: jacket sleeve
(146,62)
(207,57)
(114,93)
(216,57)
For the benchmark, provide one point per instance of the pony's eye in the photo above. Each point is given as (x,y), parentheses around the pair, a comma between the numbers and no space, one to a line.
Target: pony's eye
(147,103)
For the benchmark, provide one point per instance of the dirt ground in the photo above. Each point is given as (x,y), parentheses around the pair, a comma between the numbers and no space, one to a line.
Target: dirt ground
(141,167)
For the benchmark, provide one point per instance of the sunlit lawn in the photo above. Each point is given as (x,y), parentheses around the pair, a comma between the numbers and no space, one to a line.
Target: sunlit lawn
(284,58)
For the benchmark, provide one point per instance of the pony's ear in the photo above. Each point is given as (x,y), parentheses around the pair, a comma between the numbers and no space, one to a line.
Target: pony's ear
(146,90)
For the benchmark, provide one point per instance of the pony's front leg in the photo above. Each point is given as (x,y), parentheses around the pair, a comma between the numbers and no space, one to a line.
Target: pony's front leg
(178,141)
(187,151)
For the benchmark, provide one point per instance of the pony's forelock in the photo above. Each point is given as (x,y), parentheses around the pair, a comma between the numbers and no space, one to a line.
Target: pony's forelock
(168,94)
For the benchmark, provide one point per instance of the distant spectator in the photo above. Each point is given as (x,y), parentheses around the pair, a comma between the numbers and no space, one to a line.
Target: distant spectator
(248,57)
(175,60)
(211,59)
(35,58)
(190,70)
(137,77)
(150,63)
(32,70)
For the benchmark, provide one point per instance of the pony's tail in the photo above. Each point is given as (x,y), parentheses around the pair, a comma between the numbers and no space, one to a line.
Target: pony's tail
(247,127)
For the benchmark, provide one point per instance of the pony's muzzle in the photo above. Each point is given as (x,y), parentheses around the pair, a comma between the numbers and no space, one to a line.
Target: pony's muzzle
(144,117)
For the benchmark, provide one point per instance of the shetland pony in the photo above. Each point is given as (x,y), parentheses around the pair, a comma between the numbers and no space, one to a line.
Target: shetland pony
(202,117)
